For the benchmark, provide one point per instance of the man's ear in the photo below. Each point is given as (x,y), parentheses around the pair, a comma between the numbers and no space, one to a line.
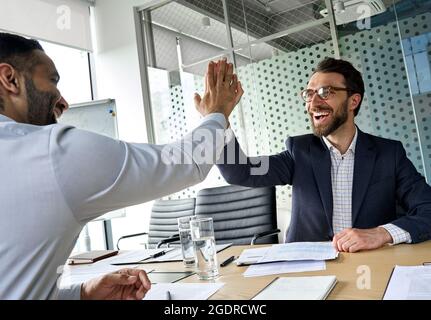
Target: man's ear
(356,100)
(9,78)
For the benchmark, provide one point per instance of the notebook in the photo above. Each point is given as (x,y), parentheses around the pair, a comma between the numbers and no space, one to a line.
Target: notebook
(91,256)
(298,288)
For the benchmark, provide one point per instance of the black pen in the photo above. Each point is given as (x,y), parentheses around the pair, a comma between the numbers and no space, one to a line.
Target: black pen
(168,295)
(227,261)
(158,254)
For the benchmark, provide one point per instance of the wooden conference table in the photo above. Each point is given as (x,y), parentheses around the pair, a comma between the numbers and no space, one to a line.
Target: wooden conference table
(348,268)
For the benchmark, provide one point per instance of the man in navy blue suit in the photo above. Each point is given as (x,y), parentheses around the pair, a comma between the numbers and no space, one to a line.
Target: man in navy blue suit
(347,185)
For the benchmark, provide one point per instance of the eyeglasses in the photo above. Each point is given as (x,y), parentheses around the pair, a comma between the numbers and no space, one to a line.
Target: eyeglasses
(323,92)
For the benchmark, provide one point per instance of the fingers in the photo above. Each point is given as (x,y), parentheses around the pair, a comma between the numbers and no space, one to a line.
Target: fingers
(119,279)
(336,240)
(239,92)
(145,285)
(229,75)
(210,77)
(140,286)
(197,99)
(341,242)
(234,84)
(221,72)
(347,244)
(355,248)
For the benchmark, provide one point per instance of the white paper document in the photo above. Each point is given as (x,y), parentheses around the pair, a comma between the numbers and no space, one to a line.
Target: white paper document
(182,291)
(82,273)
(176,254)
(134,256)
(250,256)
(300,251)
(284,267)
(295,251)
(409,283)
(298,288)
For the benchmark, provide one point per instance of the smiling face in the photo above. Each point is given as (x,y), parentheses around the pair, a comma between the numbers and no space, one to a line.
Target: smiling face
(44,101)
(329,115)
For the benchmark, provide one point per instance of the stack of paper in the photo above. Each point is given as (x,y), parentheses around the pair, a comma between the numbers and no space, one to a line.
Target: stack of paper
(409,283)
(295,251)
(258,270)
(298,288)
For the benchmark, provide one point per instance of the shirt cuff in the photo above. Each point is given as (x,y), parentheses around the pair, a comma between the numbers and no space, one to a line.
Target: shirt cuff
(398,235)
(218,117)
(229,135)
(73,292)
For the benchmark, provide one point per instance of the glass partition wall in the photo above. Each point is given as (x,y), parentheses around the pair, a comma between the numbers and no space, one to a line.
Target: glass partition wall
(274,45)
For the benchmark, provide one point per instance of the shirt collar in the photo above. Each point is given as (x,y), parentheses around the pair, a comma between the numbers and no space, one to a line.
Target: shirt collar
(352,146)
(5,119)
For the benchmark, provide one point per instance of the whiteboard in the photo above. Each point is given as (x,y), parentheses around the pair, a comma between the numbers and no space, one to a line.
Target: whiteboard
(96,116)
(99,117)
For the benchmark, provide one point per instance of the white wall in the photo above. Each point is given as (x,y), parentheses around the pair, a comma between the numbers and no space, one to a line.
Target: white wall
(117,65)
(118,77)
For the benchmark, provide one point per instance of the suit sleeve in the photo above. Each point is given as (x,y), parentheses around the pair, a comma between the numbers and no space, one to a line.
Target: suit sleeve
(415,196)
(261,171)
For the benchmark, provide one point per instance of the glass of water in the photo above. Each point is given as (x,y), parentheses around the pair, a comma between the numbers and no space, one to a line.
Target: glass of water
(186,241)
(202,231)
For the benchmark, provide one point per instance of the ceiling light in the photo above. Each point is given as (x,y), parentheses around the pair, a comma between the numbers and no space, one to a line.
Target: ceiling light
(206,23)
(339,6)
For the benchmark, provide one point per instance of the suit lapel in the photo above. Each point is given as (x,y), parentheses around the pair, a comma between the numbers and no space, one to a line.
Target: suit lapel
(321,163)
(365,157)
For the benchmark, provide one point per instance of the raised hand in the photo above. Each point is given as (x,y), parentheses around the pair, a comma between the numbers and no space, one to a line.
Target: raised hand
(223,91)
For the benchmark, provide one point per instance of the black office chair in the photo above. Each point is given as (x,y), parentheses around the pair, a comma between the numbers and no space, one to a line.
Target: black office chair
(241,215)
(163,222)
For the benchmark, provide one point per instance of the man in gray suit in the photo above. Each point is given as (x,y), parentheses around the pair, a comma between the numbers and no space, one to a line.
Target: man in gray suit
(56,178)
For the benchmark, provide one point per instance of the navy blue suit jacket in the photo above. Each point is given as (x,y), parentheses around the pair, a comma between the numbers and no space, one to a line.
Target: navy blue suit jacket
(384,179)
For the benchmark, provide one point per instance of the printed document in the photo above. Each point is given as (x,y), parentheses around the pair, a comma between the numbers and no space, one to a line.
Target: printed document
(265,269)
(182,291)
(295,251)
(409,283)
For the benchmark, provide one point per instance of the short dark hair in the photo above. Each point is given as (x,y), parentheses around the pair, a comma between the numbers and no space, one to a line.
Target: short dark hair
(352,77)
(18,51)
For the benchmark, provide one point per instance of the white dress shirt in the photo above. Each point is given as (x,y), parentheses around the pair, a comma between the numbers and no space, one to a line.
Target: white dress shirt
(342,166)
(56,178)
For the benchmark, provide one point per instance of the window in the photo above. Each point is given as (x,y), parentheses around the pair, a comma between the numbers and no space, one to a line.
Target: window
(75,86)
(73,67)
(417,61)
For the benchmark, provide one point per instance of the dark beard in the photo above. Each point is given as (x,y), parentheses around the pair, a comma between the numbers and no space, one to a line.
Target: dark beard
(339,119)
(40,105)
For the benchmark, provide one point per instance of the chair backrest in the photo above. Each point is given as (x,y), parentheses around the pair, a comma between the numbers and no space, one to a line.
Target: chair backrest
(239,212)
(163,221)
